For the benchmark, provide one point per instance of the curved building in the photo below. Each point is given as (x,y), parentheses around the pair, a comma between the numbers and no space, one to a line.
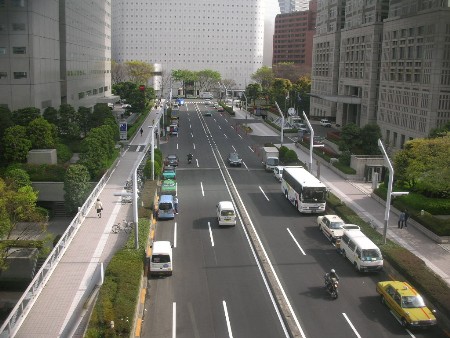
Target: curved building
(222,35)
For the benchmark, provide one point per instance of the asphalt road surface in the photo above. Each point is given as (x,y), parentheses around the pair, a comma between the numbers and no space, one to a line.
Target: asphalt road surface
(217,288)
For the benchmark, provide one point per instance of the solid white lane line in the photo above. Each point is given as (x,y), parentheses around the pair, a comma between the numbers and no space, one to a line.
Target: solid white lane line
(175,235)
(251,149)
(351,325)
(201,185)
(210,234)
(227,318)
(232,146)
(267,198)
(290,233)
(174,320)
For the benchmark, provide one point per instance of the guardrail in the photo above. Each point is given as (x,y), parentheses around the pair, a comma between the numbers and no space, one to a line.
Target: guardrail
(18,314)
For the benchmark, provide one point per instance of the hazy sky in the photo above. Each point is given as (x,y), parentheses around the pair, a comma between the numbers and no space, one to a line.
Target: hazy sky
(272,9)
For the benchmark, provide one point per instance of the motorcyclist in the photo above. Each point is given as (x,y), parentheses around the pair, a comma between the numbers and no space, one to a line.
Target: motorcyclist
(330,275)
(190,156)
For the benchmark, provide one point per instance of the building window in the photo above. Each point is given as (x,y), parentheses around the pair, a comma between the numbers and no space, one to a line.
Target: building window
(18,3)
(3,75)
(2,50)
(20,75)
(18,26)
(19,50)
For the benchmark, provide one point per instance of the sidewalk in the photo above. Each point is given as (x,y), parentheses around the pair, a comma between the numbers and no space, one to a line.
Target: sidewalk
(60,307)
(357,195)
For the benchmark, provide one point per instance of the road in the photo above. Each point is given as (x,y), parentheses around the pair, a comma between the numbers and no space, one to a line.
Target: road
(218,289)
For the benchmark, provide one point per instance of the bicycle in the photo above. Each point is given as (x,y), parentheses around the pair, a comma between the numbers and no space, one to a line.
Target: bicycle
(125,226)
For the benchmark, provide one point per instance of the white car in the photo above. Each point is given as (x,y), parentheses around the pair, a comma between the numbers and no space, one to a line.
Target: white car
(278,172)
(332,227)
(126,105)
(325,123)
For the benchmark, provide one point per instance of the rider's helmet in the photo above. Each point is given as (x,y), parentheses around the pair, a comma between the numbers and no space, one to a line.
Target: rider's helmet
(332,271)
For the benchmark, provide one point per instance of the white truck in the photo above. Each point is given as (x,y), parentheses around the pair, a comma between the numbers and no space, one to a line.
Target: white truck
(270,158)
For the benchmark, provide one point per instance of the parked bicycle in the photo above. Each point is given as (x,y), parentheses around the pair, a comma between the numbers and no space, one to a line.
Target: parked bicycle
(122,226)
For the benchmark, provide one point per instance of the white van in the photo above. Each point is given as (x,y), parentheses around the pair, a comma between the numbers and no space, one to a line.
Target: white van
(226,215)
(361,251)
(161,260)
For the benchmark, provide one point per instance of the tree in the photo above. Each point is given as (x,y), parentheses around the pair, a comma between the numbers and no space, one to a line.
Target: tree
(76,187)
(441,131)
(16,144)
(424,166)
(207,79)
(118,72)
(124,89)
(253,92)
(99,116)
(183,76)
(68,122)
(139,72)
(280,92)
(24,116)
(300,93)
(42,134)
(6,120)
(18,205)
(51,115)
(264,76)
(350,137)
(290,70)
(17,178)
(84,119)
(370,134)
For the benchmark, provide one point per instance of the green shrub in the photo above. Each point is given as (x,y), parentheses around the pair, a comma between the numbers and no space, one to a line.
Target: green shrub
(63,153)
(282,152)
(290,157)
(344,168)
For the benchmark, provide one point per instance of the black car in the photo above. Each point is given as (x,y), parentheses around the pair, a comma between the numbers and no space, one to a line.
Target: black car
(207,113)
(234,160)
(171,160)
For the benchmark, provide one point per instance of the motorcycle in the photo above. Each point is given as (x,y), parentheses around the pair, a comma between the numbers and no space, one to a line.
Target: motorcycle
(331,285)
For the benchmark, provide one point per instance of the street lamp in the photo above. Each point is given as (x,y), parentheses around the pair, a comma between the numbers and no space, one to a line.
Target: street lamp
(153,151)
(311,141)
(282,121)
(389,192)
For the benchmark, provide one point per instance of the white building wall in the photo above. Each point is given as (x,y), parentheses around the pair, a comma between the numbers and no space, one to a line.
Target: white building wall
(86,52)
(31,27)
(225,36)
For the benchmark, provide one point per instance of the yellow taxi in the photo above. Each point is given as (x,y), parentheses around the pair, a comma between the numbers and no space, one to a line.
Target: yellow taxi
(406,304)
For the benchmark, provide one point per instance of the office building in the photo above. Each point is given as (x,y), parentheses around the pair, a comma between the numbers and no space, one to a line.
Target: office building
(54,52)
(289,6)
(224,36)
(384,62)
(293,37)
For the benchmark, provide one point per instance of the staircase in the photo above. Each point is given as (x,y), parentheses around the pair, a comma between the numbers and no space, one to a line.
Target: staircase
(59,209)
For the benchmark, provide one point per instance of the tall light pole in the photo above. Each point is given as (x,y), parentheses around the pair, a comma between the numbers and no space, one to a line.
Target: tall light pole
(282,122)
(311,141)
(152,150)
(389,192)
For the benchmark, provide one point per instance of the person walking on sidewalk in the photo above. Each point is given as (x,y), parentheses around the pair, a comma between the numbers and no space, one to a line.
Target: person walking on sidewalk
(141,131)
(401,220)
(99,207)
(175,204)
(406,218)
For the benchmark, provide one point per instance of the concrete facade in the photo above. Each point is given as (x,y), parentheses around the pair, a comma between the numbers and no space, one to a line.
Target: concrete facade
(225,36)
(392,68)
(54,52)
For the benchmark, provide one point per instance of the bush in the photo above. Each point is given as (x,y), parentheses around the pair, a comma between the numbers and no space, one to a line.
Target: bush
(290,157)
(282,152)
(44,172)
(63,153)
(344,168)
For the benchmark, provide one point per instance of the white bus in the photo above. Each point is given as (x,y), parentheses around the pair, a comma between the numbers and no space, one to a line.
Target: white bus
(303,190)
(206,95)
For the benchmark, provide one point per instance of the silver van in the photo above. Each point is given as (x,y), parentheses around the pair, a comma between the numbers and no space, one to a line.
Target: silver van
(361,251)
(165,207)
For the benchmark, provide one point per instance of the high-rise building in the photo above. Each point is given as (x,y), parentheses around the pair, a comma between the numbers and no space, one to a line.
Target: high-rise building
(53,52)
(293,37)
(384,62)
(289,6)
(226,36)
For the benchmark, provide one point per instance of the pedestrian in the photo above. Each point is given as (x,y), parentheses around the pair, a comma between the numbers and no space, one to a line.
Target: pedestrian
(406,218)
(401,220)
(175,204)
(99,207)
(142,130)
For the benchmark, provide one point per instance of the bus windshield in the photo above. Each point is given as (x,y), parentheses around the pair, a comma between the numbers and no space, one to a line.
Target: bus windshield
(314,195)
